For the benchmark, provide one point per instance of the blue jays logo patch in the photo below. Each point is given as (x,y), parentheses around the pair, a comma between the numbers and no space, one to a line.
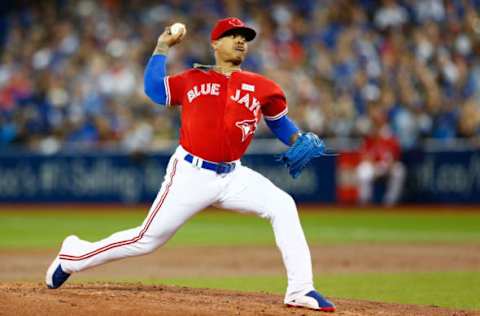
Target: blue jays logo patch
(248,127)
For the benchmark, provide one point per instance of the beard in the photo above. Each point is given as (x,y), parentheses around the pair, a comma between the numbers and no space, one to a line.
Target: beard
(233,57)
(237,60)
(237,57)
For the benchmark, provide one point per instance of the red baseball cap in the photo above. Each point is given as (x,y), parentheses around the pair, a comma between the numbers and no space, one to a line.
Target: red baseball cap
(232,25)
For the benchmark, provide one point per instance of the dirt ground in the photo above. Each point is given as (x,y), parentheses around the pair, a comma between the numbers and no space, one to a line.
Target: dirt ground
(22,291)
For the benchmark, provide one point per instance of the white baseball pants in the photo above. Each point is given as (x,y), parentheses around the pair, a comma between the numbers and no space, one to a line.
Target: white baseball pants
(367,172)
(185,191)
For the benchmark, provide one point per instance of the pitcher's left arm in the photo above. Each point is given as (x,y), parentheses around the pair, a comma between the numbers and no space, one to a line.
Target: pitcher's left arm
(303,146)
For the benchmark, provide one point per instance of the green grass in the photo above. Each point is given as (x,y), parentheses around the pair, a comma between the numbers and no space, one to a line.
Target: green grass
(46,229)
(459,290)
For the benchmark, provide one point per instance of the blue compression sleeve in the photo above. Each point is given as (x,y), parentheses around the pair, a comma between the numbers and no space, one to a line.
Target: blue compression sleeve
(154,86)
(283,128)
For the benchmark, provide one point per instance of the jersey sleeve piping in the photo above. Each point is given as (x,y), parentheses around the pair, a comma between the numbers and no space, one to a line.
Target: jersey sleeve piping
(276,117)
(167,90)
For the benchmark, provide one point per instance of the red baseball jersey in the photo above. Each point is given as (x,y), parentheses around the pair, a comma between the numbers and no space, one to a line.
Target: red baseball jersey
(381,148)
(220,113)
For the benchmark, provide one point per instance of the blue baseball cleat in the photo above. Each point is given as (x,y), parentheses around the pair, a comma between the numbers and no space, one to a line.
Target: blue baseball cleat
(55,275)
(313,300)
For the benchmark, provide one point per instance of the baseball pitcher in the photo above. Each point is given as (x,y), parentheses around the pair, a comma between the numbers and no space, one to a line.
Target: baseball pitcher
(221,107)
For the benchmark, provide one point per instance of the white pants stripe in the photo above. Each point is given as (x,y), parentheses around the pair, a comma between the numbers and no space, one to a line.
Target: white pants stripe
(187,190)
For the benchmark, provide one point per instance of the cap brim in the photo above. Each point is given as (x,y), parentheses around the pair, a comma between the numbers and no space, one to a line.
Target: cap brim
(247,32)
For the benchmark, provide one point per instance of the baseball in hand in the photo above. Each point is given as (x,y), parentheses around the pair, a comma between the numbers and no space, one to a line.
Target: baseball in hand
(178,28)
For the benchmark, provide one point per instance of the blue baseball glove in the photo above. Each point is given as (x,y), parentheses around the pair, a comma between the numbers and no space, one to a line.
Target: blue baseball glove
(305,148)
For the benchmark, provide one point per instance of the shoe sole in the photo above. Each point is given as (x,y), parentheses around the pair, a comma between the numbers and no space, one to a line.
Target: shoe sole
(51,270)
(321,309)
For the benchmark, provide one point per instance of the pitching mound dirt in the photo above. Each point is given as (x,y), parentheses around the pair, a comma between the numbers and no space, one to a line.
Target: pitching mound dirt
(136,299)
(22,270)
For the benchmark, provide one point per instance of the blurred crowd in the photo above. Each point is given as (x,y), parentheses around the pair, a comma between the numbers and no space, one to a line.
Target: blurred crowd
(71,72)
